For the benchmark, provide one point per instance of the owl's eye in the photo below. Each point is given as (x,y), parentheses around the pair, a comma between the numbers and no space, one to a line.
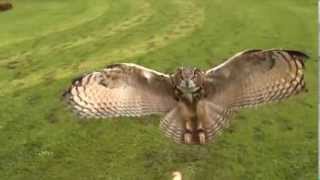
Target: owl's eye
(196,75)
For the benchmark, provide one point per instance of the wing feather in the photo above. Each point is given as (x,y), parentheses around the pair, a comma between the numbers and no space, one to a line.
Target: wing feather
(255,77)
(121,90)
(251,78)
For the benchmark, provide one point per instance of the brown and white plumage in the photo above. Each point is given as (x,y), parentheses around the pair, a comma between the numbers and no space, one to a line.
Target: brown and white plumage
(197,103)
(121,90)
(255,76)
(251,78)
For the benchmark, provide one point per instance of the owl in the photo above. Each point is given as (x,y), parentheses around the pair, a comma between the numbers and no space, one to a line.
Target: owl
(196,104)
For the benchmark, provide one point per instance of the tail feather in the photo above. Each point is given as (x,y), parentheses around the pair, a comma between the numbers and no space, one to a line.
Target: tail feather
(172,125)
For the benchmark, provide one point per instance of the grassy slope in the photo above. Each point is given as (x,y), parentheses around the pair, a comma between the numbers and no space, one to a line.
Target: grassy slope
(44,44)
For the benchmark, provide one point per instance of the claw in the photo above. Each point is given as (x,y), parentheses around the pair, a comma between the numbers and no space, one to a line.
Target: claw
(202,138)
(199,125)
(187,138)
(188,126)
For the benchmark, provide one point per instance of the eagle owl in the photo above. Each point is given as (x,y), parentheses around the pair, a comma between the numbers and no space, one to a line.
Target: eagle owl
(197,104)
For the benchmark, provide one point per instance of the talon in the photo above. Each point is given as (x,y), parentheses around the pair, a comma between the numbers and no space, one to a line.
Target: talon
(202,138)
(187,138)
(200,125)
(188,126)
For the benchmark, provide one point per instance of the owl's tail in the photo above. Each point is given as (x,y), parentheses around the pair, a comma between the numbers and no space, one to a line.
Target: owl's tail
(185,130)
(173,125)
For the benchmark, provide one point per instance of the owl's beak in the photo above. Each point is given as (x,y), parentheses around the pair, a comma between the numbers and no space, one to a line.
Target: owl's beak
(188,82)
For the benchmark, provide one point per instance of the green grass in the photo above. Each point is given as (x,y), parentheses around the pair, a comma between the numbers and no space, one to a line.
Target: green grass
(45,44)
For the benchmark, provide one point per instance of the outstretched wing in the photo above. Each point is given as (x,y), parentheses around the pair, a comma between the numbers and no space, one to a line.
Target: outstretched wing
(250,78)
(256,76)
(121,90)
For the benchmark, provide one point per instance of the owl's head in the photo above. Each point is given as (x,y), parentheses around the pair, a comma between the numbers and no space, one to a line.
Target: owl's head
(187,80)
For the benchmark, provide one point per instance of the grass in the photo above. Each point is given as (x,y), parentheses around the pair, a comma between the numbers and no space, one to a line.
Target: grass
(45,44)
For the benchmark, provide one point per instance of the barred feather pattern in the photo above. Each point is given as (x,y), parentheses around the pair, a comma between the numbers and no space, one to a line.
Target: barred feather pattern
(120,90)
(257,77)
(248,79)
(172,125)
(278,89)
(214,119)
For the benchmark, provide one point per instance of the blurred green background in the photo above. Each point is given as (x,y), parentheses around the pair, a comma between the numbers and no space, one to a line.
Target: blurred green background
(45,44)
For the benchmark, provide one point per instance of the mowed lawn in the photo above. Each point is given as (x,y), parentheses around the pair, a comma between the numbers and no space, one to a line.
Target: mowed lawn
(45,44)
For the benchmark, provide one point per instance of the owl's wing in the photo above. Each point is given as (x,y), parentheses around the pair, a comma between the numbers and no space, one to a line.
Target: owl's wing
(250,78)
(256,76)
(121,90)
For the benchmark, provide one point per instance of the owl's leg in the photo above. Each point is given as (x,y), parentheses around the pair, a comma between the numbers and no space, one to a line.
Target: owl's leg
(200,131)
(189,131)
(187,138)
(202,136)
(201,118)
(187,116)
